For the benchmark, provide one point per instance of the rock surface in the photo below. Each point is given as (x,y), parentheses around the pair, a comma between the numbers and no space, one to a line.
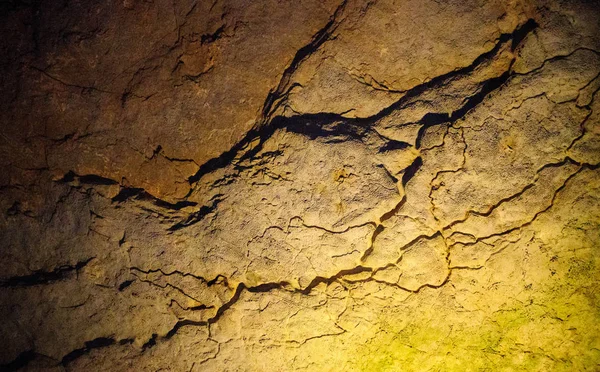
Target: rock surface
(300,185)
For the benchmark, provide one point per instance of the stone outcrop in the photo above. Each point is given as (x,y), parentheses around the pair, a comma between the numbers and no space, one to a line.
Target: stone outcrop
(312,185)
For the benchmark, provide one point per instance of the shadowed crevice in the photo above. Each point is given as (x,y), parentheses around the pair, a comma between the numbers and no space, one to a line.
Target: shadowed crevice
(330,124)
(44,277)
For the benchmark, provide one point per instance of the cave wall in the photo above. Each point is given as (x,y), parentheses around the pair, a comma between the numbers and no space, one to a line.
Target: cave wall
(279,185)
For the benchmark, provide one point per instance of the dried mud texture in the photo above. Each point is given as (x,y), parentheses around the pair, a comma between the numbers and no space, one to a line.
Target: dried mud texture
(300,185)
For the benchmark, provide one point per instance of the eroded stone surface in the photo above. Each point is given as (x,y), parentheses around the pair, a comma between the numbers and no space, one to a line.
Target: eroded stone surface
(300,185)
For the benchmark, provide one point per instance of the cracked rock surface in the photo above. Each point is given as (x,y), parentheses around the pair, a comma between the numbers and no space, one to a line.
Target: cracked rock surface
(364,185)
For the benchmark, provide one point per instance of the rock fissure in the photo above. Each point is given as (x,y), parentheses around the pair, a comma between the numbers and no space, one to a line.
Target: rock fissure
(316,185)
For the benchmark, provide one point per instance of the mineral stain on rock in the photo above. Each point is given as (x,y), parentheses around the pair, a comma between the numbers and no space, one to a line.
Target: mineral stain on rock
(314,185)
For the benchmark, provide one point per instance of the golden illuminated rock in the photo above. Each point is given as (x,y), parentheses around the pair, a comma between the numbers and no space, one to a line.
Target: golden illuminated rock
(300,185)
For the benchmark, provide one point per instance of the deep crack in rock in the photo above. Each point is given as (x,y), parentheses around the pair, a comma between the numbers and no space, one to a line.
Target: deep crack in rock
(364,185)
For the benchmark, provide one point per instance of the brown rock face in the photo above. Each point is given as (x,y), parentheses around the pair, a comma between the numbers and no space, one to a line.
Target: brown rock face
(269,185)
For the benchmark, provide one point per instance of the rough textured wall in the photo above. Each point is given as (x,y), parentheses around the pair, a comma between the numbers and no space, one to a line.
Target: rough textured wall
(283,185)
